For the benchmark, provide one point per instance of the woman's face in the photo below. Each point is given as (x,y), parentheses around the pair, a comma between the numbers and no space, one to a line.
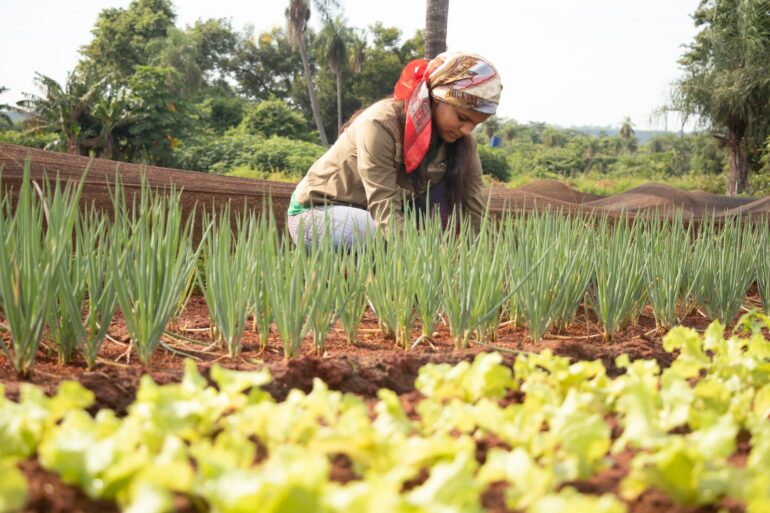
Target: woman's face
(453,123)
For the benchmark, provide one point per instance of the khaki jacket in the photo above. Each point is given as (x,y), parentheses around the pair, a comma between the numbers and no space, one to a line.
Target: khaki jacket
(365,168)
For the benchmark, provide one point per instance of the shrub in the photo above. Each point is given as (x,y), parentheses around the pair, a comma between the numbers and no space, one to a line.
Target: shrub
(494,163)
(274,117)
(45,140)
(237,150)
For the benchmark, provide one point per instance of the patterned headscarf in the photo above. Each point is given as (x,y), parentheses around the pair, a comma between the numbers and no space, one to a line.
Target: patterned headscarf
(464,80)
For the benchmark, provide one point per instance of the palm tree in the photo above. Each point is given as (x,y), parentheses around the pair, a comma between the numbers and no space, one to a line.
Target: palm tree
(436,16)
(726,80)
(61,109)
(627,134)
(5,119)
(334,41)
(358,45)
(297,16)
(111,112)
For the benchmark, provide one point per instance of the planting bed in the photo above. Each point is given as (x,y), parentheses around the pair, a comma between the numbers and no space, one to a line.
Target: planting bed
(361,369)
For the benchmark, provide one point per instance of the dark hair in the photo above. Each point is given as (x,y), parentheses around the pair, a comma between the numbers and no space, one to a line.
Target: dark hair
(458,158)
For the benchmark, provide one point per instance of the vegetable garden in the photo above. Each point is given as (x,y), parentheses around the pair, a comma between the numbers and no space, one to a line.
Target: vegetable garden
(548,363)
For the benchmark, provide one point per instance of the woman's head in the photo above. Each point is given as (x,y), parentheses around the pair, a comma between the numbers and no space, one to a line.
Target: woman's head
(450,95)
(452,123)
(465,91)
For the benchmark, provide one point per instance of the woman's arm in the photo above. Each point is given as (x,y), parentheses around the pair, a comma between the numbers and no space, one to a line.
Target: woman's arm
(474,200)
(376,149)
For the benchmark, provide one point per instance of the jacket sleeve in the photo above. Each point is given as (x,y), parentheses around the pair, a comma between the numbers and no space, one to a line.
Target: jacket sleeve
(376,147)
(474,199)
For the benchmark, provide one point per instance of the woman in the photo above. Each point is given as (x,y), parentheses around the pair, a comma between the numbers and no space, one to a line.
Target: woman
(419,141)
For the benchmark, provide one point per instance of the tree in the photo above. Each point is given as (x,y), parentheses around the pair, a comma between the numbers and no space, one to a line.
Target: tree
(264,66)
(5,119)
(274,117)
(358,45)
(436,17)
(62,109)
(627,135)
(178,50)
(216,42)
(727,79)
(159,115)
(111,112)
(384,60)
(122,36)
(334,43)
(297,16)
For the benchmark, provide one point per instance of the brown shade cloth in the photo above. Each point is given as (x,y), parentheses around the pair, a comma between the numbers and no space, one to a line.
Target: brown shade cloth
(208,189)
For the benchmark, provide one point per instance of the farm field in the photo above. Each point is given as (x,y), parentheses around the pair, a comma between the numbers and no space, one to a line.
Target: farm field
(361,371)
(547,363)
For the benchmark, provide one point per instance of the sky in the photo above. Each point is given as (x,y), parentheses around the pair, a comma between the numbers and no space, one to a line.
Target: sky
(562,62)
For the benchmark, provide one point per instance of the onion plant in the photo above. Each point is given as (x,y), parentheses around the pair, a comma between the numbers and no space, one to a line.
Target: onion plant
(354,285)
(729,255)
(64,311)
(326,279)
(30,258)
(394,282)
(472,285)
(491,295)
(94,250)
(292,291)
(555,287)
(670,267)
(83,283)
(619,276)
(229,270)
(263,244)
(425,255)
(152,258)
(576,243)
(763,262)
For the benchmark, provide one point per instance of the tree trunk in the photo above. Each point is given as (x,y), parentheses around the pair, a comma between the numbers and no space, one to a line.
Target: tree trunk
(72,145)
(311,91)
(436,16)
(108,146)
(339,100)
(738,175)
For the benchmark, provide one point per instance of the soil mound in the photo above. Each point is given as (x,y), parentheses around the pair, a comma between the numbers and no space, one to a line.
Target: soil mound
(214,191)
(554,189)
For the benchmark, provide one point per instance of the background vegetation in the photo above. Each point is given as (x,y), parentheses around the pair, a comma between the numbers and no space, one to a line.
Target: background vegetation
(213,98)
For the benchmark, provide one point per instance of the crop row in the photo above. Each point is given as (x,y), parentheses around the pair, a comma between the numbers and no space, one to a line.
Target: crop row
(69,270)
(229,446)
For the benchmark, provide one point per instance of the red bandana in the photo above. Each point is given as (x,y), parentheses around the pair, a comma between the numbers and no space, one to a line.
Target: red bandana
(412,85)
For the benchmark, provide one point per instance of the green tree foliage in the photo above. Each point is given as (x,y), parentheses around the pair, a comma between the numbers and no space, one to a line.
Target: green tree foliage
(112,112)
(5,119)
(238,150)
(334,40)
(179,51)
(220,109)
(122,36)
(297,16)
(216,43)
(160,113)
(264,66)
(494,163)
(62,109)
(727,79)
(384,62)
(274,117)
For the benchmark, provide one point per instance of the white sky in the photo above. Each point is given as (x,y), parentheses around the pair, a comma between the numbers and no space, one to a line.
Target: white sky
(563,62)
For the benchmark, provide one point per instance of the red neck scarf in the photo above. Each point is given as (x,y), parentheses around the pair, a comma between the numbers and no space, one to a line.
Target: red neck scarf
(413,87)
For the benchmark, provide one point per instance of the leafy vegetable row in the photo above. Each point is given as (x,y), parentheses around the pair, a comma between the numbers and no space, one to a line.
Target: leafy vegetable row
(226,445)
